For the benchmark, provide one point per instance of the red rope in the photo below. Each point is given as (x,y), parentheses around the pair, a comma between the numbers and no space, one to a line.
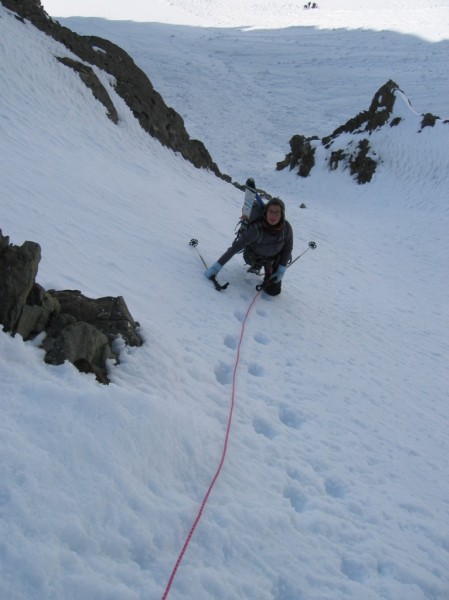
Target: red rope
(217,473)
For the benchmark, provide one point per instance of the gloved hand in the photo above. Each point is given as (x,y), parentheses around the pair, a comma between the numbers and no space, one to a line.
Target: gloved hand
(213,270)
(278,274)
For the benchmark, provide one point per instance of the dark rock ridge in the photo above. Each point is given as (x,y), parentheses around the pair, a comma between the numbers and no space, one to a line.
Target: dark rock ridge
(359,155)
(78,329)
(131,83)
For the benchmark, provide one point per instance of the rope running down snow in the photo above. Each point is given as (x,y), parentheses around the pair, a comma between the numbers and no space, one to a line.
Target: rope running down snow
(225,447)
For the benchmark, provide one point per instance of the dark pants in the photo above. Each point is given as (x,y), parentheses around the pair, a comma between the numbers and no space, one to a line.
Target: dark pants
(269,265)
(272,289)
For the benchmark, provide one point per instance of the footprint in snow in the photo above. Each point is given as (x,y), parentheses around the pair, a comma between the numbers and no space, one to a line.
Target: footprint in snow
(354,569)
(245,296)
(264,428)
(239,315)
(290,417)
(334,487)
(297,500)
(256,370)
(261,338)
(230,341)
(223,373)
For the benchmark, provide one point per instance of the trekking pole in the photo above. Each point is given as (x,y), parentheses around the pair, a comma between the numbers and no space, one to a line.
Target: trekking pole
(312,245)
(194,243)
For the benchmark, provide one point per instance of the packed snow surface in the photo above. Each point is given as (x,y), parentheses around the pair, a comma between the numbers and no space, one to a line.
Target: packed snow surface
(335,482)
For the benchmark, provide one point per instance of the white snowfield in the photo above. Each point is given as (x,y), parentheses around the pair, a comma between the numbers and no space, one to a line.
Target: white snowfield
(335,483)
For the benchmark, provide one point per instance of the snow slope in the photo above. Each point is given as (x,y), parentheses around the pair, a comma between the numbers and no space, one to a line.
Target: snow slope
(335,481)
(426,18)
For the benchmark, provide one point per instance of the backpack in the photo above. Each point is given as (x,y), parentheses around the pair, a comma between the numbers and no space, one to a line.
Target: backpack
(253,206)
(252,210)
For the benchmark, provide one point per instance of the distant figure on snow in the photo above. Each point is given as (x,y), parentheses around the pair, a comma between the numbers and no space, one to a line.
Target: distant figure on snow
(267,243)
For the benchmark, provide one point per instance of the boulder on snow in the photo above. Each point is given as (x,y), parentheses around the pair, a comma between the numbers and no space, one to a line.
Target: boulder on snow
(80,343)
(78,329)
(110,314)
(36,313)
(18,269)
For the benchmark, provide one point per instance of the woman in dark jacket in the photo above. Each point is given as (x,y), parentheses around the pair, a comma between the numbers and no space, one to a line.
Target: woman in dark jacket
(267,243)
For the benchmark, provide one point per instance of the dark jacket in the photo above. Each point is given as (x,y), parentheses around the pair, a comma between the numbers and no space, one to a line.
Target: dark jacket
(267,244)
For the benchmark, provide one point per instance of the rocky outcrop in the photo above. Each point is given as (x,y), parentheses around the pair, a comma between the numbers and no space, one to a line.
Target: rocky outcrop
(78,329)
(109,315)
(302,155)
(131,83)
(352,145)
(91,80)
(18,269)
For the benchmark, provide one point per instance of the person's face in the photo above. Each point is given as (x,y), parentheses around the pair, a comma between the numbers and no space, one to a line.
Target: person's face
(274,214)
